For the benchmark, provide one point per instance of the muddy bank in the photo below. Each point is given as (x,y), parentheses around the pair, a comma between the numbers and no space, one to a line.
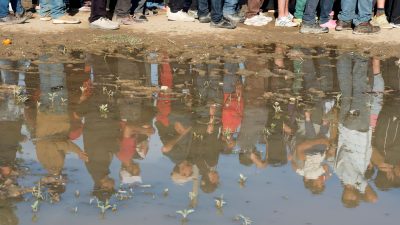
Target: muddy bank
(37,37)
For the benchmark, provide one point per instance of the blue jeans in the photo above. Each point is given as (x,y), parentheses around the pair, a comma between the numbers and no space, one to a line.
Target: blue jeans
(203,9)
(53,8)
(216,10)
(348,12)
(16,5)
(229,7)
(310,11)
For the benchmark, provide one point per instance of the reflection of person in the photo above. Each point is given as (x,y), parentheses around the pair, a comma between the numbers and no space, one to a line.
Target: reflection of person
(7,213)
(356,124)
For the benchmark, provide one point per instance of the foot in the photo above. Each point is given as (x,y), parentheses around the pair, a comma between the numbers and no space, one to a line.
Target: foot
(297,21)
(10,19)
(223,23)
(234,18)
(66,19)
(193,13)
(86,7)
(313,29)
(180,16)
(127,20)
(284,22)
(331,24)
(381,21)
(366,28)
(105,24)
(140,19)
(265,18)
(255,21)
(45,18)
(205,19)
(26,14)
(343,25)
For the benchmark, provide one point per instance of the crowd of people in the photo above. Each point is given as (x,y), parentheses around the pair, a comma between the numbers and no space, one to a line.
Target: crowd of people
(313,16)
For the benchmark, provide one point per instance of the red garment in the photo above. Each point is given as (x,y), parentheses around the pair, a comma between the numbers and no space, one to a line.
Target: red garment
(232,113)
(127,149)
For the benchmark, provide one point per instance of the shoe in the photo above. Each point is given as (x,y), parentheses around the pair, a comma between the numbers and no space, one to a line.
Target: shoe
(234,18)
(395,25)
(381,21)
(223,23)
(10,19)
(284,22)
(45,18)
(205,19)
(313,29)
(366,28)
(255,21)
(127,20)
(32,10)
(180,16)
(343,25)
(290,17)
(26,14)
(104,23)
(66,19)
(265,18)
(140,19)
(151,12)
(193,13)
(331,24)
(297,21)
(86,7)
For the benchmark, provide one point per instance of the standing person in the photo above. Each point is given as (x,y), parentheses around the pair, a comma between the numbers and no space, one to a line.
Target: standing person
(361,19)
(229,11)
(217,19)
(123,8)
(253,16)
(177,13)
(380,18)
(6,18)
(57,11)
(310,25)
(393,12)
(98,16)
(284,17)
(204,11)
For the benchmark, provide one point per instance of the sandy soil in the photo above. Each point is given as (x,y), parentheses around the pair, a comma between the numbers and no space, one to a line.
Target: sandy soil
(37,37)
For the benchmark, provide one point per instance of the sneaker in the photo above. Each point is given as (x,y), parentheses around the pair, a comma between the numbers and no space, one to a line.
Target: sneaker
(223,23)
(395,25)
(193,13)
(234,18)
(343,25)
(255,21)
(66,19)
(366,28)
(381,21)
(10,19)
(104,23)
(86,7)
(331,24)
(284,22)
(290,17)
(32,10)
(205,19)
(180,16)
(26,14)
(140,19)
(265,18)
(297,21)
(45,18)
(127,20)
(313,29)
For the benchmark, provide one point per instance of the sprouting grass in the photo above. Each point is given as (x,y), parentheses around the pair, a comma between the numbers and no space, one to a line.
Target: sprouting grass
(121,38)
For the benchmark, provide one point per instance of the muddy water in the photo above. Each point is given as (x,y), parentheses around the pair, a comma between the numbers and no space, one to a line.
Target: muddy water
(283,135)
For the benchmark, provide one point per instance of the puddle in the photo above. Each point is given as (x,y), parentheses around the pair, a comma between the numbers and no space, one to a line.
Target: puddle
(281,135)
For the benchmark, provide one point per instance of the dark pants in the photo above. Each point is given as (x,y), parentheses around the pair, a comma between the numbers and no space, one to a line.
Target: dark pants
(204,7)
(310,11)
(393,11)
(190,4)
(176,5)
(216,10)
(253,7)
(123,7)
(98,10)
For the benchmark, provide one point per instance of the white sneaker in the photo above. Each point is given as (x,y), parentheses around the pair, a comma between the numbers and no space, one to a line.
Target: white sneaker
(290,17)
(284,22)
(255,21)
(66,19)
(180,16)
(262,17)
(104,23)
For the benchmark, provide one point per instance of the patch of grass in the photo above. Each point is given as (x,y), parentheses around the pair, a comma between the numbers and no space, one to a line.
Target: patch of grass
(121,39)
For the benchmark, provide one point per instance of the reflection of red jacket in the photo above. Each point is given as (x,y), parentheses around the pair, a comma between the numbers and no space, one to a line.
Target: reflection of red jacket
(232,112)
(127,147)
(164,105)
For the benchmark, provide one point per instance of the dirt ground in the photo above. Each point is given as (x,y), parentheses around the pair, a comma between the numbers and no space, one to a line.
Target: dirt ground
(37,37)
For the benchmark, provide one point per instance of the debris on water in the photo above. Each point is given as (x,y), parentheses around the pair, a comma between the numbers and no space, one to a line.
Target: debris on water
(7,41)
(245,220)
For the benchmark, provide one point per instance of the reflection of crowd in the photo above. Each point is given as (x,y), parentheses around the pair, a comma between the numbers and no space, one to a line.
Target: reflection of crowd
(205,112)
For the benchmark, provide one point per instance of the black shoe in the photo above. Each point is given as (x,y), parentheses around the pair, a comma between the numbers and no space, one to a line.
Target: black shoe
(234,18)
(223,23)
(313,29)
(366,28)
(205,19)
(140,19)
(343,25)
(32,10)
(26,14)
(10,19)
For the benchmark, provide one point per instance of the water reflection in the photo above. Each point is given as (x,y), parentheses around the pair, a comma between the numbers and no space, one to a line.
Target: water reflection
(330,117)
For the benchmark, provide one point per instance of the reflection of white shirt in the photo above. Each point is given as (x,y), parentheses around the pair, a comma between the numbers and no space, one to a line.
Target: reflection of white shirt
(353,157)
(312,166)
